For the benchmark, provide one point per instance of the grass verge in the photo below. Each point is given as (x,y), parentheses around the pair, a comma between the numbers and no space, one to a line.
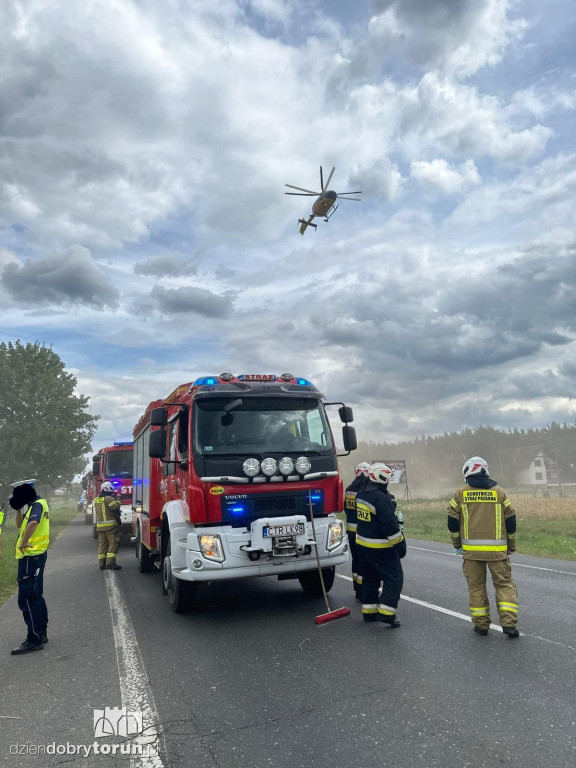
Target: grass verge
(545,527)
(60,516)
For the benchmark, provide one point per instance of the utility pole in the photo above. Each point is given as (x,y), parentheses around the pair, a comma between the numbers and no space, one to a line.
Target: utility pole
(556,452)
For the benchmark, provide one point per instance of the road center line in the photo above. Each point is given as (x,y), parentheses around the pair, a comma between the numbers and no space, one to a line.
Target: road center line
(462,616)
(515,564)
(134,688)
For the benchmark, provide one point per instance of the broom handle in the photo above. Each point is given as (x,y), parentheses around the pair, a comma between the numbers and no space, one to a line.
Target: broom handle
(316,550)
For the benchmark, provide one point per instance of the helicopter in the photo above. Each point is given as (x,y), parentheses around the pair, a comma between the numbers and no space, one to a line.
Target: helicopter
(325,204)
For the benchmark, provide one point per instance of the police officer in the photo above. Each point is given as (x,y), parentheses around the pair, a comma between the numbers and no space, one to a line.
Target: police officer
(380,545)
(31,554)
(108,525)
(482,527)
(356,485)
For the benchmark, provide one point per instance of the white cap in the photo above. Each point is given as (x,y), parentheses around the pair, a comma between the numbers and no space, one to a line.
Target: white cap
(22,482)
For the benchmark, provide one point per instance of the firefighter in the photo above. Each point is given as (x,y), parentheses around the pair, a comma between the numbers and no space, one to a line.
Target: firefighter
(482,527)
(108,525)
(350,507)
(31,554)
(380,545)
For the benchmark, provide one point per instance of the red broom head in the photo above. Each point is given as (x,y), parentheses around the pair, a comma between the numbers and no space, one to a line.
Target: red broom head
(339,613)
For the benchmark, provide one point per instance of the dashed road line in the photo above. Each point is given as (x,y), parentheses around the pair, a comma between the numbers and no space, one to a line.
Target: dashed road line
(515,564)
(455,614)
(134,687)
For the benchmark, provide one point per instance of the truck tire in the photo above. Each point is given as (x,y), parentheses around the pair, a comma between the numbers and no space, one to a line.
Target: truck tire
(310,581)
(145,559)
(180,593)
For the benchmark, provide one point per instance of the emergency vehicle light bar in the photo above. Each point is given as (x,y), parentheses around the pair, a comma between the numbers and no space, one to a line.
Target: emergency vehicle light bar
(210,381)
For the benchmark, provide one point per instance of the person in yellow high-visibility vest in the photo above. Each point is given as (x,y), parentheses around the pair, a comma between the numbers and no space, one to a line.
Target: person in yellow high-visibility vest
(482,525)
(108,525)
(31,554)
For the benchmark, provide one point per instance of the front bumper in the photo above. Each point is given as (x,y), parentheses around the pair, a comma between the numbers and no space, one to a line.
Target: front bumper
(189,564)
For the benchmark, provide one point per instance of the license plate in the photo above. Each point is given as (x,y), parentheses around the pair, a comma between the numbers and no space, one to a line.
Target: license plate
(284,530)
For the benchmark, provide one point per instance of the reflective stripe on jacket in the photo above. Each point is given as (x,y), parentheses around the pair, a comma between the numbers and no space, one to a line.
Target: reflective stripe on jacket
(377,524)
(38,542)
(105,507)
(481,514)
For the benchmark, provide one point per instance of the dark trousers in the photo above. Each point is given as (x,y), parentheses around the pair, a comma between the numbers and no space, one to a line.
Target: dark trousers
(31,595)
(380,568)
(356,575)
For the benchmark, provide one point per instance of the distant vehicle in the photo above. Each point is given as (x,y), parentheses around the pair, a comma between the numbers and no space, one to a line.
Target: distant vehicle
(325,205)
(82,502)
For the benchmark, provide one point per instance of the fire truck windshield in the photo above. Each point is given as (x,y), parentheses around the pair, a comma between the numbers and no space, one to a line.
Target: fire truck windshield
(256,425)
(119,464)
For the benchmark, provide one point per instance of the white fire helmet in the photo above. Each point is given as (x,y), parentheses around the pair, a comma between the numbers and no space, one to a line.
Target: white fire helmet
(475,466)
(362,469)
(107,487)
(380,473)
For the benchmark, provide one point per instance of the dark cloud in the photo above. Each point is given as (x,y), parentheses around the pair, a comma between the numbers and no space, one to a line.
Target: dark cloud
(169,265)
(68,278)
(190,300)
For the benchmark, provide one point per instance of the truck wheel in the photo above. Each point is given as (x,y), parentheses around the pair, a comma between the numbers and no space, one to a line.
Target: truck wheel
(181,593)
(145,559)
(310,581)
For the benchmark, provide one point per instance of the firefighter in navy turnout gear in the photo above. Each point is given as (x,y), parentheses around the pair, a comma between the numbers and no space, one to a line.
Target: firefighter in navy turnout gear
(482,527)
(33,518)
(109,526)
(380,545)
(350,507)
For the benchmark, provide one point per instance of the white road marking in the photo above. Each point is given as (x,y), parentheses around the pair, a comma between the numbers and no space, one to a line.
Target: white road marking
(134,688)
(516,565)
(457,615)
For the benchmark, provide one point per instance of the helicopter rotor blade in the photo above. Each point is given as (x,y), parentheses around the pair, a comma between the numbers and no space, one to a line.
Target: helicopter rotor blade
(329,179)
(303,194)
(350,198)
(349,193)
(301,190)
(321,180)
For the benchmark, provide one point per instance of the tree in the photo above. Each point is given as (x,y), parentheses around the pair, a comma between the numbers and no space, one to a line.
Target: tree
(45,429)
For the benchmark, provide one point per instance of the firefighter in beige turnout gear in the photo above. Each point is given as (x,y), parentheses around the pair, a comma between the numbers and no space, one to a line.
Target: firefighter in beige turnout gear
(108,525)
(482,527)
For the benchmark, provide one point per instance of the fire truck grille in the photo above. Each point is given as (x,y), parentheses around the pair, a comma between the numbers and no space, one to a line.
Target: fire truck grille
(276,507)
(244,510)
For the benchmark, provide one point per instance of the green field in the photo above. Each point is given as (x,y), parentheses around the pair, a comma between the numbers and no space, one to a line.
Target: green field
(546,527)
(60,515)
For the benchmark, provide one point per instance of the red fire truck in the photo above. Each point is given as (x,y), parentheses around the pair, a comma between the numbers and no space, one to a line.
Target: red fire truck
(227,470)
(114,463)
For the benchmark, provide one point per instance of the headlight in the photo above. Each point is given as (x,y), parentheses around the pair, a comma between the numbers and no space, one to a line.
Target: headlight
(286,466)
(335,535)
(251,467)
(211,547)
(303,465)
(269,467)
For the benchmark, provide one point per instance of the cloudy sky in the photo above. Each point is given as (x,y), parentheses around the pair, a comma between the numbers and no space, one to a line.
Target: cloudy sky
(145,234)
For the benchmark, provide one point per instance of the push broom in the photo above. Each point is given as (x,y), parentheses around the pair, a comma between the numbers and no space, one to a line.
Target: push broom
(339,613)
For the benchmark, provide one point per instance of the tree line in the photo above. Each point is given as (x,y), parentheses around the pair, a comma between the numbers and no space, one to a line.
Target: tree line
(435,462)
(45,426)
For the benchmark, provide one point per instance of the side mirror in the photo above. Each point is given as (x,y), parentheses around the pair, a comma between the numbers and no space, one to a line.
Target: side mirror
(95,467)
(349,438)
(158,417)
(157,447)
(346,414)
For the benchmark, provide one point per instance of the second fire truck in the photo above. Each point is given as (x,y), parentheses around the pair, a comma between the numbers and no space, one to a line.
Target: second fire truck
(227,473)
(114,463)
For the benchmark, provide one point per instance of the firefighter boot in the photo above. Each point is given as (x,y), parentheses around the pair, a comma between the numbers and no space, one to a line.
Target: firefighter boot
(512,632)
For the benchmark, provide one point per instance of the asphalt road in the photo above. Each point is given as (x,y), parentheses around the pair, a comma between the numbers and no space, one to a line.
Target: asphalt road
(248,678)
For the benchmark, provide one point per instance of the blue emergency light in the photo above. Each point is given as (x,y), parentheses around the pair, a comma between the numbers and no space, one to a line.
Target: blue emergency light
(206,381)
